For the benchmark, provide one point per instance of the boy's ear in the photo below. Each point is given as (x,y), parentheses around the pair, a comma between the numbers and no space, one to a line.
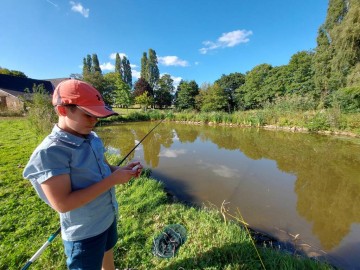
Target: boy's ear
(61,110)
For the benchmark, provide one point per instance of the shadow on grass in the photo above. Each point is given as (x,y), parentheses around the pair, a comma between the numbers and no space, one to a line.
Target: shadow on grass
(237,255)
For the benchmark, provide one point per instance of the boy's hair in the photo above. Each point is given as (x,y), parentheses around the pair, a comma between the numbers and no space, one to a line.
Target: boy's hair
(82,95)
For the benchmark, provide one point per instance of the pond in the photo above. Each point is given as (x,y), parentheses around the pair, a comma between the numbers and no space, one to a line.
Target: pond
(299,188)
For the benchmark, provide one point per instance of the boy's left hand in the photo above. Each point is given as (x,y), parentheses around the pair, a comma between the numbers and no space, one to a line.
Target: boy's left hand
(135,166)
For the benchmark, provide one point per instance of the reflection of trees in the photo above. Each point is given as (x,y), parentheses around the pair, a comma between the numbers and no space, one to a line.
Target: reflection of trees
(118,138)
(152,144)
(123,137)
(327,169)
(328,175)
(186,133)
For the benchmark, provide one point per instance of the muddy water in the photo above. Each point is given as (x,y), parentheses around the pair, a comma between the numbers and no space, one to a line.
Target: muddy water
(300,188)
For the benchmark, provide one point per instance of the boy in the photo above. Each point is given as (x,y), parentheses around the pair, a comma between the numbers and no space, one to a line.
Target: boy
(70,173)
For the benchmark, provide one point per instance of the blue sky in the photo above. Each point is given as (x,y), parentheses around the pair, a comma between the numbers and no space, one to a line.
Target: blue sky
(193,39)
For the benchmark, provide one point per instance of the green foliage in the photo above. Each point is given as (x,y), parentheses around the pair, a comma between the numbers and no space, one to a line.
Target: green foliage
(293,103)
(348,99)
(41,113)
(251,94)
(127,74)
(214,98)
(185,95)
(163,93)
(12,72)
(145,100)
(152,69)
(118,66)
(229,83)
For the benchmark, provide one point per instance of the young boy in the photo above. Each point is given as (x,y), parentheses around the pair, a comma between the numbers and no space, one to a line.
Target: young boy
(70,173)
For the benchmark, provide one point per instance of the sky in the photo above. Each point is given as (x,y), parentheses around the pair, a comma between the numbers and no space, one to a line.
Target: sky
(193,39)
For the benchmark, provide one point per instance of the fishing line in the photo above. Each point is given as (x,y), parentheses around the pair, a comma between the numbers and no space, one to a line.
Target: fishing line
(252,240)
(52,237)
(241,219)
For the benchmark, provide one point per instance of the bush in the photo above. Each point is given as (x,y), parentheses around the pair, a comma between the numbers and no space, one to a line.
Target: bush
(41,113)
(348,99)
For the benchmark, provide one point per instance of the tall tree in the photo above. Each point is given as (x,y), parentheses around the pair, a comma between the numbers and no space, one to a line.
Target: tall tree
(300,73)
(89,63)
(229,83)
(143,71)
(127,74)
(118,65)
(163,93)
(185,96)
(153,73)
(141,86)
(214,99)
(252,94)
(95,76)
(95,64)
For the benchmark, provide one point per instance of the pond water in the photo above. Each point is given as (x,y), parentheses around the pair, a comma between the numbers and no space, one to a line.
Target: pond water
(300,188)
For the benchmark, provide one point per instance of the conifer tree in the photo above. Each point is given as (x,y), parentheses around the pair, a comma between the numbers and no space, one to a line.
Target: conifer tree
(127,74)
(95,64)
(153,73)
(143,73)
(118,65)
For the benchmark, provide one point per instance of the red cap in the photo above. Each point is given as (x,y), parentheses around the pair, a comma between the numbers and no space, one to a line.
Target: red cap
(83,95)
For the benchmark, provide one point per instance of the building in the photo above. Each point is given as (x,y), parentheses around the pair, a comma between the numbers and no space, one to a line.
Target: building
(13,90)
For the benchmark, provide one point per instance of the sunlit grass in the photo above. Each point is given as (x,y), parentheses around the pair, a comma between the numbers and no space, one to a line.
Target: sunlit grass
(145,209)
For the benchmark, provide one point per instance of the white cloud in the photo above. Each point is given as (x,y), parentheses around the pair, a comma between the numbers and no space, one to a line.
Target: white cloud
(229,39)
(172,61)
(107,66)
(113,55)
(172,153)
(78,7)
(135,73)
(176,80)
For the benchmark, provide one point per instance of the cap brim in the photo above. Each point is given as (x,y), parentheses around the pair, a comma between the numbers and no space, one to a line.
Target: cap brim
(98,111)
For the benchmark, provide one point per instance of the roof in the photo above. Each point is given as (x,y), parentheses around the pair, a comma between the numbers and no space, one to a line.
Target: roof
(16,85)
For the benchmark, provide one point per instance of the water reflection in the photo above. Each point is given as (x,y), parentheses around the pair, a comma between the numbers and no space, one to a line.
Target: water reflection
(268,173)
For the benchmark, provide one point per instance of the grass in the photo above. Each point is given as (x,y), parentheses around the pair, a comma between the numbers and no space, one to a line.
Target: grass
(145,209)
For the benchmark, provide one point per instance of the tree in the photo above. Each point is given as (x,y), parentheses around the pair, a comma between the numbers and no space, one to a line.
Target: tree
(93,75)
(300,73)
(95,64)
(127,74)
(145,100)
(143,72)
(252,94)
(118,65)
(141,86)
(163,94)
(152,69)
(229,83)
(15,73)
(214,99)
(122,94)
(185,96)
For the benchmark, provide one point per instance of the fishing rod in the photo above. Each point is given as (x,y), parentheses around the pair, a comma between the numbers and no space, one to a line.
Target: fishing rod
(52,237)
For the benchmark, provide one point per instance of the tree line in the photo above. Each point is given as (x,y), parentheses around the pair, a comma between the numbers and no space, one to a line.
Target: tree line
(327,76)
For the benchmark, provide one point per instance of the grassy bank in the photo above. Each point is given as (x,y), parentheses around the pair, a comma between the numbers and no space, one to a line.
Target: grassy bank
(330,121)
(145,210)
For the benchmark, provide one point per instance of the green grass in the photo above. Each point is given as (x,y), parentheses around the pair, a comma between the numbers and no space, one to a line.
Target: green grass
(145,209)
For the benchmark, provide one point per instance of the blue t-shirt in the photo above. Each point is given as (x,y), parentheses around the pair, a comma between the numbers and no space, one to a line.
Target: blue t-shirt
(83,159)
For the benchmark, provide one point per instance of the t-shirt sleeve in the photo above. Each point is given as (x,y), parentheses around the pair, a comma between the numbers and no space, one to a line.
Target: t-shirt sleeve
(44,164)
